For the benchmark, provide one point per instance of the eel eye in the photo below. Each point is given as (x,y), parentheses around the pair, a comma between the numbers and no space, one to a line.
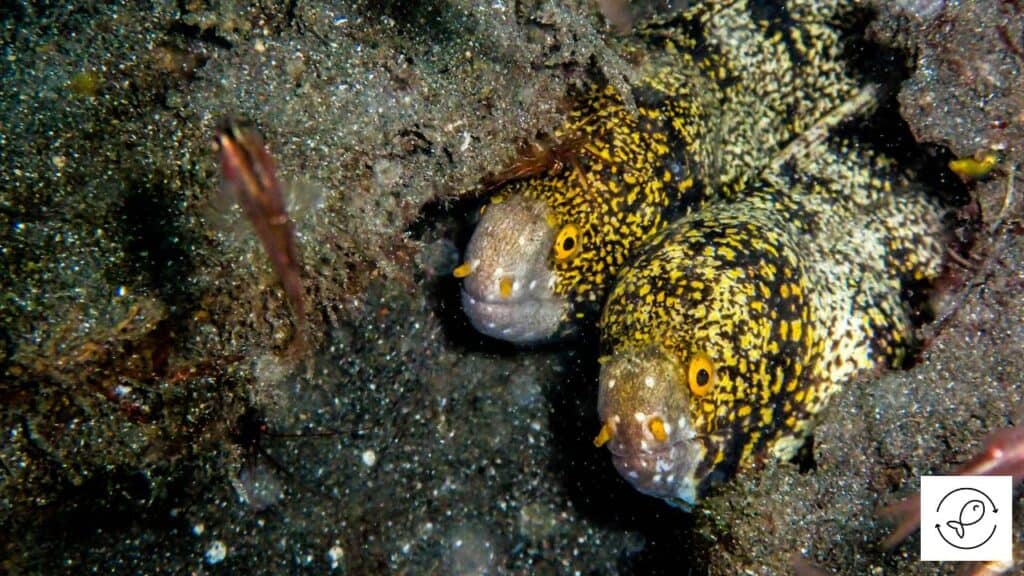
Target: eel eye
(701,374)
(567,242)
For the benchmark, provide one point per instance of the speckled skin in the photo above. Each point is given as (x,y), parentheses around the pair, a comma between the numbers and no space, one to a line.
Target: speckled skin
(783,296)
(732,85)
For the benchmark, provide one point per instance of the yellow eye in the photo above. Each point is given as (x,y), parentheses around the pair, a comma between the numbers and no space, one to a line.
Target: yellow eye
(701,374)
(567,242)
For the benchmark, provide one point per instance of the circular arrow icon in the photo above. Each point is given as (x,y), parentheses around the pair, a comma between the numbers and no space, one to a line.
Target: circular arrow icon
(970,518)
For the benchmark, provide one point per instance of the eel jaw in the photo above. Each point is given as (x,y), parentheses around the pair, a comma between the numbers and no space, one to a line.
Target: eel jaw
(524,321)
(508,283)
(667,470)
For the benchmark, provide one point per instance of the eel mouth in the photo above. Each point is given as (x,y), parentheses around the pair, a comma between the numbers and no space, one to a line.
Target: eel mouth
(668,471)
(531,318)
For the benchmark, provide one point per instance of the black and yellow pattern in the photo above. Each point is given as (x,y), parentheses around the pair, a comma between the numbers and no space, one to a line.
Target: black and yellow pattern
(736,323)
(746,269)
(731,86)
(629,170)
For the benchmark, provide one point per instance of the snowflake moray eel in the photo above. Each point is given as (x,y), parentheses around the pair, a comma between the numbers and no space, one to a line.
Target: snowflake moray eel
(728,89)
(736,323)
(736,292)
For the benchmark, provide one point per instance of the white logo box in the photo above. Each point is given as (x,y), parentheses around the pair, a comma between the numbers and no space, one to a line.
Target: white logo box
(967,518)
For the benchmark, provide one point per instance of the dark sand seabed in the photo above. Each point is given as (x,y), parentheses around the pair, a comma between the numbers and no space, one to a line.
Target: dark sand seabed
(142,330)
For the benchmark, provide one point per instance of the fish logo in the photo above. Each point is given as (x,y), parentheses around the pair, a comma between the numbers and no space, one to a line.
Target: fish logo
(966,518)
(971,522)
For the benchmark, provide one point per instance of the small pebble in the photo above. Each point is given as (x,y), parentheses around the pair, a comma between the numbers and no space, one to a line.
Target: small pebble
(369,458)
(335,555)
(216,552)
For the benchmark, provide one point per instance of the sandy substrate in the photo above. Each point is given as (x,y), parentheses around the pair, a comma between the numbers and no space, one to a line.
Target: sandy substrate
(153,425)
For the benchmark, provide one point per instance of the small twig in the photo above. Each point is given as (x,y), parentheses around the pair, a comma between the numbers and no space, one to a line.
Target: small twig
(965,263)
(1008,201)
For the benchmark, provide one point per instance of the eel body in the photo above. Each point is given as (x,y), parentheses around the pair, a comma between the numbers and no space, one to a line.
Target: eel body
(732,328)
(731,85)
(744,263)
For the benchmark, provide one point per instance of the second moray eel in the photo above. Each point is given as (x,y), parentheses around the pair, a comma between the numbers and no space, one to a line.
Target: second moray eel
(735,324)
(735,84)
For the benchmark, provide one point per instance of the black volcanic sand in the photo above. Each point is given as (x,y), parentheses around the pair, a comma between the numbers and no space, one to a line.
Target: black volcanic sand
(153,423)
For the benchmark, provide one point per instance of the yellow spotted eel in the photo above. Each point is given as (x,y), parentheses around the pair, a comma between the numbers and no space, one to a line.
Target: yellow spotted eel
(737,291)
(736,323)
(733,83)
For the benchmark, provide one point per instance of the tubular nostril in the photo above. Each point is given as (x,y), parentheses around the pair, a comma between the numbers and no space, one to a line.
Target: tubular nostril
(657,428)
(505,286)
(462,270)
(603,436)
